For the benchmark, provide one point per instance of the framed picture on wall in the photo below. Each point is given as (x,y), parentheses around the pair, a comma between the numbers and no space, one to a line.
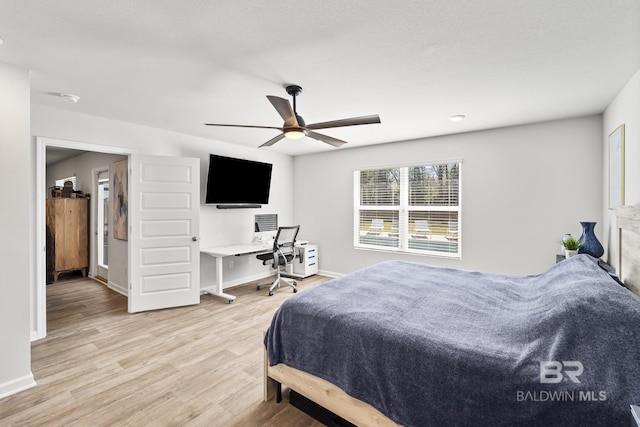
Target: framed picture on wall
(120,200)
(616,167)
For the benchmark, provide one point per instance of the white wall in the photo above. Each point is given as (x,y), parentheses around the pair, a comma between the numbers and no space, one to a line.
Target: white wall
(15,231)
(624,109)
(217,227)
(523,187)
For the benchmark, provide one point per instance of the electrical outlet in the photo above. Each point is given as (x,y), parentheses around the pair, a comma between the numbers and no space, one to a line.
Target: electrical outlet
(230,264)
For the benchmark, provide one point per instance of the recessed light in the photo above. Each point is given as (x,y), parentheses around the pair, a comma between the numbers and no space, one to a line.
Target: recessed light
(457,117)
(70,98)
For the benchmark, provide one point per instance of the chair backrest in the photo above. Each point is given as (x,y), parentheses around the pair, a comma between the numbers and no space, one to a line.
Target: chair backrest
(286,237)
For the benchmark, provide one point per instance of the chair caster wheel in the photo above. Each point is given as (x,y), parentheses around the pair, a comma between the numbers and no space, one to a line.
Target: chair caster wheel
(258,288)
(270,293)
(295,290)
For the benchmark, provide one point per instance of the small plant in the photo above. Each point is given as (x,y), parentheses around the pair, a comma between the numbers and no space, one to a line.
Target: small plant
(571,244)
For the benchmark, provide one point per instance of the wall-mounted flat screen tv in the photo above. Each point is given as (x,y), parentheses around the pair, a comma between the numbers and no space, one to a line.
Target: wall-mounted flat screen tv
(237,181)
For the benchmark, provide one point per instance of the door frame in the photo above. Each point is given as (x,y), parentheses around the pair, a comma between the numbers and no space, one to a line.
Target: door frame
(39,296)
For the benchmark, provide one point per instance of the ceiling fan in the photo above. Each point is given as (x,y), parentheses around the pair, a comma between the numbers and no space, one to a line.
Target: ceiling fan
(294,126)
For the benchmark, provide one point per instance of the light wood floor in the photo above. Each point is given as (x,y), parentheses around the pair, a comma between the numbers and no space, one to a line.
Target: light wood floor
(189,366)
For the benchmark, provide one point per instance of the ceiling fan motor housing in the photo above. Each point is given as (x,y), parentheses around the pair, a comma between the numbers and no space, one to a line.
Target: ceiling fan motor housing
(293,90)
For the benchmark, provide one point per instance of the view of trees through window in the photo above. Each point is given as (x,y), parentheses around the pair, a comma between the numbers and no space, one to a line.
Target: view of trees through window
(434,185)
(380,187)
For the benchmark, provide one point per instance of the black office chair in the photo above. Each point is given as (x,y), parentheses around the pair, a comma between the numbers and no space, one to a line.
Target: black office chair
(281,256)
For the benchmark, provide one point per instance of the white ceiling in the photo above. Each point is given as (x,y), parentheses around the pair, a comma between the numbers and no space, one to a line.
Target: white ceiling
(178,64)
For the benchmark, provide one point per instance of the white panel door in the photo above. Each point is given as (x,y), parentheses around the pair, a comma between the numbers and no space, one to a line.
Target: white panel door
(164,209)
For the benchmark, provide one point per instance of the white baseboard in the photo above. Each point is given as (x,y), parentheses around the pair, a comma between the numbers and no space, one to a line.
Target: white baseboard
(122,290)
(330,274)
(35,336)
(14,386)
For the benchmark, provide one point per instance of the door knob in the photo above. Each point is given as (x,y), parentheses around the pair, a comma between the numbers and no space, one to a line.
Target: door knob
(195,239)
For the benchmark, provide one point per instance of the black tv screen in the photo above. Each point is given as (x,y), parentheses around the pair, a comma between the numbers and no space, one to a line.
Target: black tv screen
(237,181)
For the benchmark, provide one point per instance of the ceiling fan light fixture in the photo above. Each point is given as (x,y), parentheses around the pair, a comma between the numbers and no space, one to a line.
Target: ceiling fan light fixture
(294,133)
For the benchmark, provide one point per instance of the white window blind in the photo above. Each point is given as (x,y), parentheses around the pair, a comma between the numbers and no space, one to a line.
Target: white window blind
(413,209)
(265,222)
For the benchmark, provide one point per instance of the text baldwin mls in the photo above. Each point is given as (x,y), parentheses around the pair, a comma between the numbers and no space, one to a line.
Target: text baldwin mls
(554,372)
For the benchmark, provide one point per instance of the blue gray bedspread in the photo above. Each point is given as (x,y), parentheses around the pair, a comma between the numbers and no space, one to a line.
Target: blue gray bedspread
(431,346)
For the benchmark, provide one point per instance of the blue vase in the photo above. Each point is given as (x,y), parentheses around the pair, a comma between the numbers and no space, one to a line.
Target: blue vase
(589,243)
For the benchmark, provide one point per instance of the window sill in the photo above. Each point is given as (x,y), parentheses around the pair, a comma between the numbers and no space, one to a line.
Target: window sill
(409,252)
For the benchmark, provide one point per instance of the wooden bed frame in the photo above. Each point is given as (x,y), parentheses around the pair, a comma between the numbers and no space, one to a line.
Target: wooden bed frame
(357,412)
(321,392)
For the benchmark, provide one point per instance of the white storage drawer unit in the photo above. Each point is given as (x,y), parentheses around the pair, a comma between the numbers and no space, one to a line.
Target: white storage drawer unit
(306,264)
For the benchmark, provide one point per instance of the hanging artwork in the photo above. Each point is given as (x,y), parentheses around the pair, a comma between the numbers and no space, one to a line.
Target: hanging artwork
(120,200)
(616,167)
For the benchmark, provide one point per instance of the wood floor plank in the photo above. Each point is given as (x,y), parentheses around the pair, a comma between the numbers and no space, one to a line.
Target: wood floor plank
(188,366)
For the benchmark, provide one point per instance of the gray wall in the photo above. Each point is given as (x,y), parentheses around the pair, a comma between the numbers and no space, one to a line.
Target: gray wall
(16,182)
(523,187)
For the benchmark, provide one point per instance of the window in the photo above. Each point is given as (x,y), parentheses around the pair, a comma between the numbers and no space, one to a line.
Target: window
(60,182)
(413,209)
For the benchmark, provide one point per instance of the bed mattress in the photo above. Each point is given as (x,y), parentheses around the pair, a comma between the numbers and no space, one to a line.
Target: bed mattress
(435,346)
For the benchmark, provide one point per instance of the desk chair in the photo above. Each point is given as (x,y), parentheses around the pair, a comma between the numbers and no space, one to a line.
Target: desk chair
(282,254)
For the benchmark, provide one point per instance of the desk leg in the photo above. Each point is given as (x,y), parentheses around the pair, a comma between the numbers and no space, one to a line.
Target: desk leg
(217,291)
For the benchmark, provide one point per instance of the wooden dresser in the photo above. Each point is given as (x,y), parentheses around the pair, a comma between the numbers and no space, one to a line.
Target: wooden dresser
(67,223)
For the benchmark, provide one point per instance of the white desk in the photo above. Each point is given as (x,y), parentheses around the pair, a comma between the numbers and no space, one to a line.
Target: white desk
(223,251)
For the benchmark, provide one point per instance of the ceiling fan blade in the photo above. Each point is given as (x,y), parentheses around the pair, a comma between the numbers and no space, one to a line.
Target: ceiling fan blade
(354,121)
(244,126)
(272,141)
(325,138)
(283,107)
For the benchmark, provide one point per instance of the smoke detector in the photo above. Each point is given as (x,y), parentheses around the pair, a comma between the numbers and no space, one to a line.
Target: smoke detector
(72,99)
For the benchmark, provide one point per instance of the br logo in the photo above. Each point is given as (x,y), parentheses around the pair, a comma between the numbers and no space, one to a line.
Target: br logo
(553,371)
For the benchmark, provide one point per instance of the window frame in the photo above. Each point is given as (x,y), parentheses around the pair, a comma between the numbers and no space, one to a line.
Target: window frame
(404,210)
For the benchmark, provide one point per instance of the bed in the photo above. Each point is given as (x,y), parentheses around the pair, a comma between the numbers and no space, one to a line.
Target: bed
(402,343)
